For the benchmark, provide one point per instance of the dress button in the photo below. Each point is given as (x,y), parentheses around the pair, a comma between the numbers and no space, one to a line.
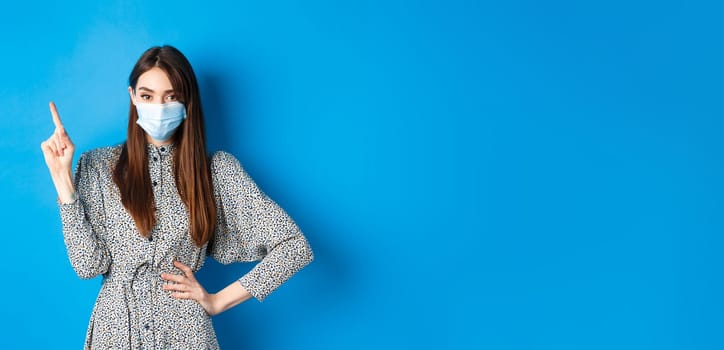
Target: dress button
(163,149)
(155,184)
(155,159)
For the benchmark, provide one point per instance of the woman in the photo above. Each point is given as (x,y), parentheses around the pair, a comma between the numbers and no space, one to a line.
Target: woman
(145,214)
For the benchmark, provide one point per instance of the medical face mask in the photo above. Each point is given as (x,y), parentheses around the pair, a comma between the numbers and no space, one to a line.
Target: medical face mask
(160,120)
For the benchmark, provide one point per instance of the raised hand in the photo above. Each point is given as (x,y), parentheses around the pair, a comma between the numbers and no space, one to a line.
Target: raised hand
(58,151)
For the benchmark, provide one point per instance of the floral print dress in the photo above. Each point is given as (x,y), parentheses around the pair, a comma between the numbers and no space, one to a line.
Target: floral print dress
(132,311)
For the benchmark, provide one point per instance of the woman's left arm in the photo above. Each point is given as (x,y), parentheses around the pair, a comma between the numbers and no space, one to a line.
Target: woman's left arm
(250,227)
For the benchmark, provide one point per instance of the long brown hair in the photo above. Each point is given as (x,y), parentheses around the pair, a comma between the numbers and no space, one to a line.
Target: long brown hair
(191,163)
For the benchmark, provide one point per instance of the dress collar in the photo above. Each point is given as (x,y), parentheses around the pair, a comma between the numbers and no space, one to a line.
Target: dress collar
(163,150)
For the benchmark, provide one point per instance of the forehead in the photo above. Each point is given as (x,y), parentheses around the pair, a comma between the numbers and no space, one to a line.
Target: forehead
(154,79)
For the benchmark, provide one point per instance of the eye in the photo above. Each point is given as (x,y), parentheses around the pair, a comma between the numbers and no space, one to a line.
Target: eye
(145,97)
(171,98)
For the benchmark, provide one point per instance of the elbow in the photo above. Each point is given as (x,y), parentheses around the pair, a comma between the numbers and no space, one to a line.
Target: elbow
(88,270)
(297,252)
(307,254)
(86,274)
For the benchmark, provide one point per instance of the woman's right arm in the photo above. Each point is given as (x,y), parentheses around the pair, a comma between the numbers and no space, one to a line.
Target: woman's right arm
(82,216)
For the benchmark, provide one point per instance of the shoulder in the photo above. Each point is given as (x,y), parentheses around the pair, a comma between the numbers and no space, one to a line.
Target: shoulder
(222,161)
(227,170)
(102,158)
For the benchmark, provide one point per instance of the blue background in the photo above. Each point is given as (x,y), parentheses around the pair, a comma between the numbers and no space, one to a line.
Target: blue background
(526,175)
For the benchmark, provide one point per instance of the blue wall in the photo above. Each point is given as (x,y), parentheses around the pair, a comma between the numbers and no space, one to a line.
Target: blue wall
(527,175)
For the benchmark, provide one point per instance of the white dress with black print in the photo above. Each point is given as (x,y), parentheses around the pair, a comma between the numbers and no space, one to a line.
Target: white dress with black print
(132,310)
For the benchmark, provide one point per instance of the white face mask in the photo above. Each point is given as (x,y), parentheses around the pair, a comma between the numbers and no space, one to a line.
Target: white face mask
(160,120)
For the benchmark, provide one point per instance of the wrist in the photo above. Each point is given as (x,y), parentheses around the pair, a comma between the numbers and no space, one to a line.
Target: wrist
(64,186)
(68,198)
(213,304)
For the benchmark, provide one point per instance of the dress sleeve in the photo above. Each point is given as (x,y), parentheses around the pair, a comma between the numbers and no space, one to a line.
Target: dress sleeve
(250,227)
(84,223)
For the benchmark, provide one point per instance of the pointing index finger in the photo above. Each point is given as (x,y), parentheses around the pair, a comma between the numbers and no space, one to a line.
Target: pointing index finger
(56,118)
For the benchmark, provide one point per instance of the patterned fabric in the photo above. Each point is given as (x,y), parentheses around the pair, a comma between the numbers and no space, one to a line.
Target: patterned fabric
(132,310)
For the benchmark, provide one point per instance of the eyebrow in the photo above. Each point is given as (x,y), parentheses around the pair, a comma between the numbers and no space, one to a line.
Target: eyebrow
(151,91)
